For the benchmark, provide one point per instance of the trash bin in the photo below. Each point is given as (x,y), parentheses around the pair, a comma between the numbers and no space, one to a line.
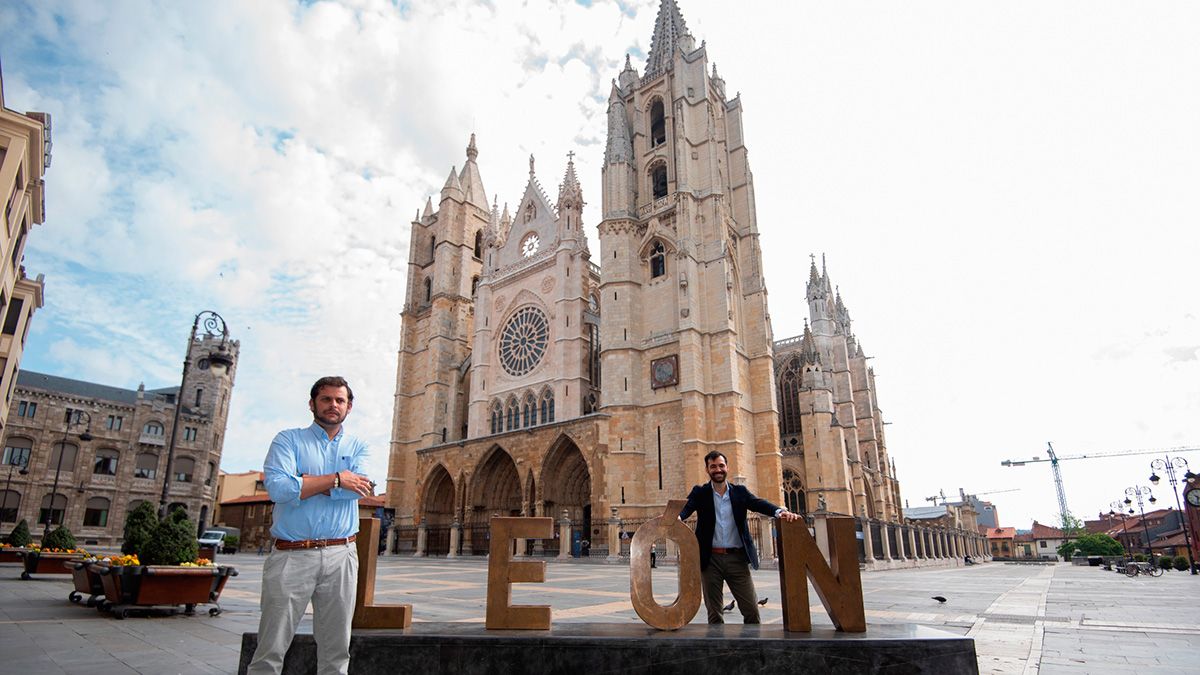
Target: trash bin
(1095,560)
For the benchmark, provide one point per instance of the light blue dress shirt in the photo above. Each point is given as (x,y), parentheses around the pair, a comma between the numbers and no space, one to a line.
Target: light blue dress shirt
(310,451)
(725,534)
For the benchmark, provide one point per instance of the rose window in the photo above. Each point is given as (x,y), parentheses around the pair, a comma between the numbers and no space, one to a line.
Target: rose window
(523,341)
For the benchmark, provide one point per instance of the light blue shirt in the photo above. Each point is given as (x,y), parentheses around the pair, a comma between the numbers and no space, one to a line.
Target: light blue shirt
(725,534)
(310,451)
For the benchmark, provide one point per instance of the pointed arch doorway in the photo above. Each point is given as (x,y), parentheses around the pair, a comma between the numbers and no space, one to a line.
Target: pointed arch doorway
(567,486)
(438,511)
(495,491)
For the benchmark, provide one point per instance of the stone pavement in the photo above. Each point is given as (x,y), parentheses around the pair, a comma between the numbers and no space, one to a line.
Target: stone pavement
(1024,618)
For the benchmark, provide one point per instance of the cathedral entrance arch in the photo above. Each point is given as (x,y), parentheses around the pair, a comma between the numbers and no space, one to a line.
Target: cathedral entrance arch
(438,511)
(567,486)
(495,490)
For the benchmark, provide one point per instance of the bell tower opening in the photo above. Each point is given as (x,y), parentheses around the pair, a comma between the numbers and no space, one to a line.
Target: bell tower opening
(658,123)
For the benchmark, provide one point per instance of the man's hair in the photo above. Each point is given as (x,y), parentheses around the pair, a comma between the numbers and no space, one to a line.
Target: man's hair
(713,455)
(331,381)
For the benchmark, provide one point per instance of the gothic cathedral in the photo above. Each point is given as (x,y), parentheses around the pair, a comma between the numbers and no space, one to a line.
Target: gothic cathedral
(535,379)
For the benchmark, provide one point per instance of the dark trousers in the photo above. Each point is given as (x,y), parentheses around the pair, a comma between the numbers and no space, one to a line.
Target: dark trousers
(734,569)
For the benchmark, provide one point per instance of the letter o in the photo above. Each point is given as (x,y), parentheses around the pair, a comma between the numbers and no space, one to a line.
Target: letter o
(641,588)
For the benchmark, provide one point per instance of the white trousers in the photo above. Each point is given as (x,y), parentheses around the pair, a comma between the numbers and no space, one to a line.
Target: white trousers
(328,577)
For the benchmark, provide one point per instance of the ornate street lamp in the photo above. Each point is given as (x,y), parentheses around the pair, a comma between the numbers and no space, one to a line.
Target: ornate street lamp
(1140,492)
(217,362)
(1117,508)
(1169,465)
(74,418)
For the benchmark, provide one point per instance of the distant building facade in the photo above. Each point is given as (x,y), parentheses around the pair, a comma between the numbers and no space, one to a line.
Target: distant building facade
(233,485)
(24,157)
(100,480)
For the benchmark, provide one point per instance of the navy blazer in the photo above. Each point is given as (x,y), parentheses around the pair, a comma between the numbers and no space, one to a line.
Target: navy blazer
(700,502)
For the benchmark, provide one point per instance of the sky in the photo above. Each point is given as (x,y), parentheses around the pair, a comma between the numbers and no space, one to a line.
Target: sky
(1005,194)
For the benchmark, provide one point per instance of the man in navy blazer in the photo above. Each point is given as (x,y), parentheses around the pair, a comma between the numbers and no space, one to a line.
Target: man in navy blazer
(726,548)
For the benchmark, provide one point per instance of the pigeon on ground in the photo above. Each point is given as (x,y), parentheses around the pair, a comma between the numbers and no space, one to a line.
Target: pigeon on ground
(729,607)
(939,598)
(762,603)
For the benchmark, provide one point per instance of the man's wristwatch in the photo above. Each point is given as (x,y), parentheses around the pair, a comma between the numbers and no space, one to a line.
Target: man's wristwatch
(337,480)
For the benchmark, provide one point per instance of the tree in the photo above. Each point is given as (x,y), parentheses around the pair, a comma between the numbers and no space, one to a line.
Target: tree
(60,538)
(1181,563)
(139,524)
(1071,525)
(1091,544)
(20,535)
(172,542)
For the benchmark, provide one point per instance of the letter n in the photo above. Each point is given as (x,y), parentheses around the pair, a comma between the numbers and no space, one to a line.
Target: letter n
(838,583)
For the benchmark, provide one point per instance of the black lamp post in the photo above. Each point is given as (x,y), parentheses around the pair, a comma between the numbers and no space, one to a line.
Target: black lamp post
(1139,492)
(1169,465)
(8,485)
(217,362)
(74,418)
(1117,508)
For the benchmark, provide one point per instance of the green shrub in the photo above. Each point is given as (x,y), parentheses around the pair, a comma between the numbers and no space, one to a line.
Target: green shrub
(1181,563)
(138,525)
(1165,561)
(172,542)
(1090,544)
(232,540)
(1139,557)
(20,535)
(60,537)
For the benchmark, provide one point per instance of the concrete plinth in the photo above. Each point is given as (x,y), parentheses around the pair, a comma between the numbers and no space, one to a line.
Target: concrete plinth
(469,649)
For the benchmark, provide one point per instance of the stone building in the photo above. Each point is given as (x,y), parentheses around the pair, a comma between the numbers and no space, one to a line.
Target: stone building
(533,379)
(118,459)
(830,423)
(24,158)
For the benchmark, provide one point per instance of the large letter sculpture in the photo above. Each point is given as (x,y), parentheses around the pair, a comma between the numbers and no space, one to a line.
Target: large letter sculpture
(503,573)
(366,613)
(641,587)
(837,583)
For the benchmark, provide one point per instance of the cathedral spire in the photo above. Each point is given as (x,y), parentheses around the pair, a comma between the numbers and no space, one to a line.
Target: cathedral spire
(808,347)
(669,31)
(570,194)
(452,188)
(428,208)
(470,180)
(816,287)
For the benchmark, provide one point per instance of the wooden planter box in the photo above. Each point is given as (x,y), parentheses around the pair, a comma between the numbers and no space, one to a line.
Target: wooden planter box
(37,562)
(11,555)
(87,582)
(145,586)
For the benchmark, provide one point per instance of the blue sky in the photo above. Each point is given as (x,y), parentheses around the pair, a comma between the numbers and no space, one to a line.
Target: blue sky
(1005,193)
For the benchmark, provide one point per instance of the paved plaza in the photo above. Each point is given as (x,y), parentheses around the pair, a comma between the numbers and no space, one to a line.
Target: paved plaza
(1024,618)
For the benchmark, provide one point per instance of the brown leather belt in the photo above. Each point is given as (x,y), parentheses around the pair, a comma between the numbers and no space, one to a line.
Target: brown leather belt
(285,545)
(725,550)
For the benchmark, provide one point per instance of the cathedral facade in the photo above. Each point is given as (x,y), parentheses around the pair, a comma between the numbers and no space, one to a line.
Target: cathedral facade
(540,376)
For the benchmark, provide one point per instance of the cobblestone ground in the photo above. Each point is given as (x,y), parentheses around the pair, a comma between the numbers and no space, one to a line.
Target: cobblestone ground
(1024,618)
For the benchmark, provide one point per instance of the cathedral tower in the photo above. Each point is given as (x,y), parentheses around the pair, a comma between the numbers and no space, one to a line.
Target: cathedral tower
(686,351)
(444,264)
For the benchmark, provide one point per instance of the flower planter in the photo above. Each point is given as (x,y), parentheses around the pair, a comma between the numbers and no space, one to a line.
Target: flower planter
(87,582)
(11,555)
(147,586)
(37,562)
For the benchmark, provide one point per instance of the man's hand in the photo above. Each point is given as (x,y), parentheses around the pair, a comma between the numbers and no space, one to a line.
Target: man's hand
(355,483)
(788,515)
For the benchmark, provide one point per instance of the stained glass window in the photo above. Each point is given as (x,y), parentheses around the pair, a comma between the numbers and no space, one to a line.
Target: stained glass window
(523,341)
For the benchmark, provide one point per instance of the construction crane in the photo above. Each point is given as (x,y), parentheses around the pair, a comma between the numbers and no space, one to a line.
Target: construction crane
(963,495)
(1054,459)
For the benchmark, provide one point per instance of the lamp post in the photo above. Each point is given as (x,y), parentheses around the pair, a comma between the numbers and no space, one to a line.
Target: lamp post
(74,418)
(8,485)
(216,362)
(1117,508)
(1169,464)
(1139,492)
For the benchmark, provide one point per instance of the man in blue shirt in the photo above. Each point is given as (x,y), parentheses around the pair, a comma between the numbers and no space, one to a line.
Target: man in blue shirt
(726,547)
(315,476)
